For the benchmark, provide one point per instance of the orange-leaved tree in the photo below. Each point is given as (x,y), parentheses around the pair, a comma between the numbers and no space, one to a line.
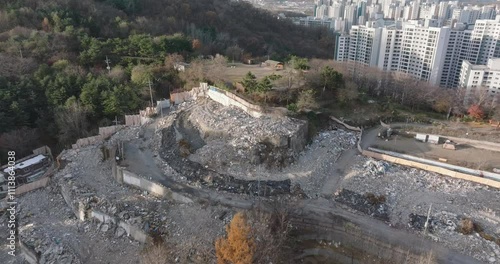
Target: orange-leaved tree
(239,246)
(476,112)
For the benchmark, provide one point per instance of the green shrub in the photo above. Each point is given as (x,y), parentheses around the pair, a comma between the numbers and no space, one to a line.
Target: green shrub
(292,107)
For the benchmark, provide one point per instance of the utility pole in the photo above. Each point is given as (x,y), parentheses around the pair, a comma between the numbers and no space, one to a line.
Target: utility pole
(116,120)
(150,92)
(107,63)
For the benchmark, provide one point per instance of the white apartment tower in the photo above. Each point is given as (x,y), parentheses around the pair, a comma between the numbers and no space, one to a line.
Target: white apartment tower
(342,47)
(475,76)
(486,35)
(364,45)
(414,50)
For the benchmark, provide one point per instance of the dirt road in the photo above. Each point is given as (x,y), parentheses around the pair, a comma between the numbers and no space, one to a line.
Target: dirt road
(322,213)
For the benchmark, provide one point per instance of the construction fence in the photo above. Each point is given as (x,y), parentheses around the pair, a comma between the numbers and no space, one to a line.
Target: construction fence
(104,133)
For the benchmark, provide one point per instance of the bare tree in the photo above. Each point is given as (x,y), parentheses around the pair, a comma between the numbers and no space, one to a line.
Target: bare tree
(270,232)
(217,69)
(193,75)
(307,100)
(22,140)
(234,53)
(172,59)
(72,122)
(478,96)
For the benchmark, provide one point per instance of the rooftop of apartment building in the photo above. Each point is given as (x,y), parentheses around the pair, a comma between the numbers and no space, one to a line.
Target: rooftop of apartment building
(493,64)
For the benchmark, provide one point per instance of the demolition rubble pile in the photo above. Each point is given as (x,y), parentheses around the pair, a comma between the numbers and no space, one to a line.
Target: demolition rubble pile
(50,227)
(234,138)
(172,151)
(409,193)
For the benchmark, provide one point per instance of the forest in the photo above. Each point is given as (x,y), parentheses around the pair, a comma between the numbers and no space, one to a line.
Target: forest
(55,83)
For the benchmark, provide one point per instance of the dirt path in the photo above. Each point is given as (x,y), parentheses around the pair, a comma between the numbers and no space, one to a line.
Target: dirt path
(320,212)
(342,164)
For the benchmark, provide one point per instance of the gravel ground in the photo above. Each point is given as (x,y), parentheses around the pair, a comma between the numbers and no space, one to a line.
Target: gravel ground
(48,224)
(411,191)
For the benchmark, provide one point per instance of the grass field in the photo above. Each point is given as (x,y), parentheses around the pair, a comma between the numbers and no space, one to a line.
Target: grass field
(239,71)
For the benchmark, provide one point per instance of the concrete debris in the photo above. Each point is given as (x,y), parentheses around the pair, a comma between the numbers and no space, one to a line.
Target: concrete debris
(363,204)
(229,154)
(410,192)
(375,168)
(119,232)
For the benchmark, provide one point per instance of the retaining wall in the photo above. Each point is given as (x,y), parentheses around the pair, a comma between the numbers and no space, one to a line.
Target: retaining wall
(152,187)
(227,99)
(432,168)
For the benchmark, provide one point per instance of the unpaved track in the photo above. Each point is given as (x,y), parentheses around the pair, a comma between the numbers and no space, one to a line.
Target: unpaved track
(320,212)
(342,164)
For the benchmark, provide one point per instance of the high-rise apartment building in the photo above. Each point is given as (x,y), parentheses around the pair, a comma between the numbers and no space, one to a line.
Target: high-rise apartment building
(341,47)
(423,50)
(364,43)
(418,51)
(486,34)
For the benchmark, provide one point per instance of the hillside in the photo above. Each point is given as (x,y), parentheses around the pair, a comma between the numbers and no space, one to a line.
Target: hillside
(54,85)
(218,24)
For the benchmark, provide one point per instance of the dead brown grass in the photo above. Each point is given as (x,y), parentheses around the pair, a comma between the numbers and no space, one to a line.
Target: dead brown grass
(156,253)
(184,148)
(466,226)
(374,199)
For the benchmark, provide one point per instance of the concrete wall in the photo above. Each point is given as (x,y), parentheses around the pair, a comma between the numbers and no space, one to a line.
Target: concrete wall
(132,120)
(432,168)
(227,99)
(104,132)
(152,187)
(83,142)
(32,185)
(133,231)
(108,131)
(178,98)
(162,104)
(121,175)
(358,145)
(76,206)
(44,151)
